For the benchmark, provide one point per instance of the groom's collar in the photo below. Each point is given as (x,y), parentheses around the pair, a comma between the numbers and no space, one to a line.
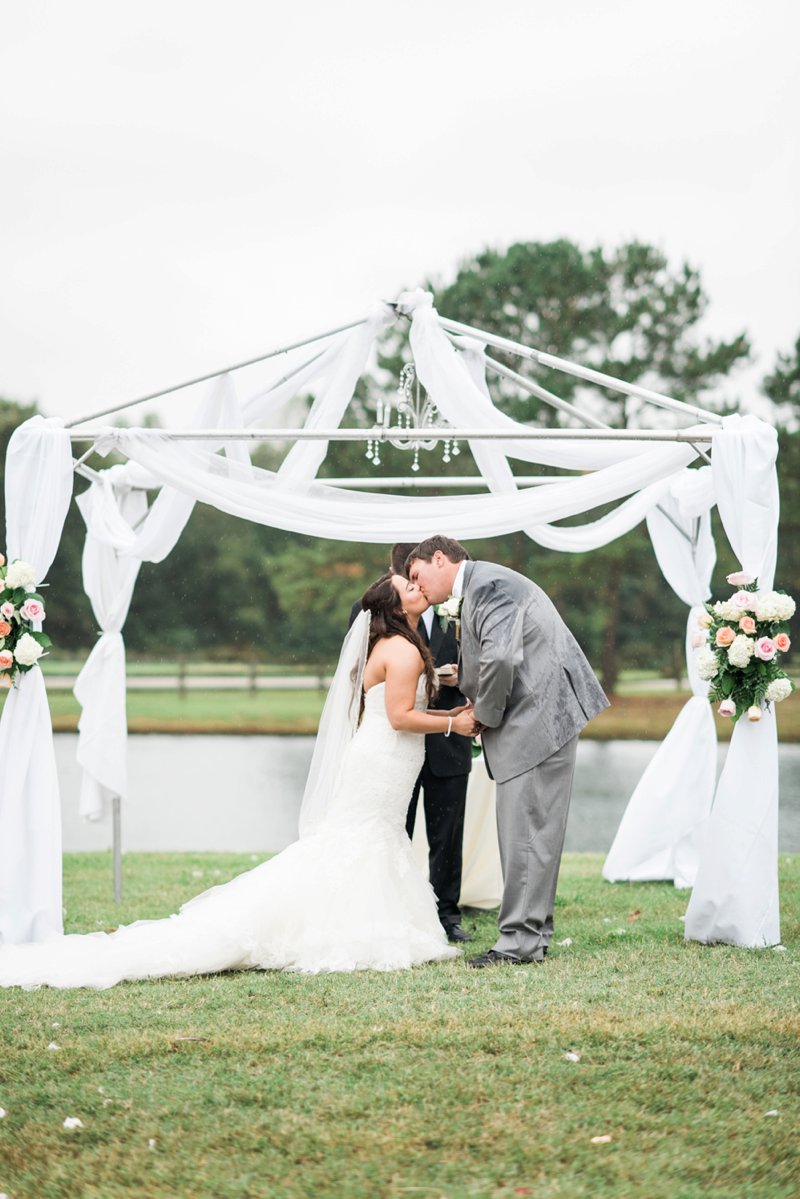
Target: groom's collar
(458,581)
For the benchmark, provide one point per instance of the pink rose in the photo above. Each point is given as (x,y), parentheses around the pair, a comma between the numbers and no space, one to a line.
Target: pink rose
(743,600)
(698,639)
(727,708)
(7,610)
(740,578)
(781,642)
(6,659)
(765,649)
(725,636)
(747,625)
(32,609)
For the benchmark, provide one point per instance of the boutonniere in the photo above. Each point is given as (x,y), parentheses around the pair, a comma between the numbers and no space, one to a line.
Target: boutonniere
(450,610)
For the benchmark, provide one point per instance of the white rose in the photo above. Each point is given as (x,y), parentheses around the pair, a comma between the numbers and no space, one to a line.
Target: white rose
(28,651)
(19,574)
(707,664)
(772,606)
(451,607)
(741,650)
(778,689)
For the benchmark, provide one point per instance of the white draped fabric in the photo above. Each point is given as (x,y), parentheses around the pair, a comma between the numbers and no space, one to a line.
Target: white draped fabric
(661,829)
(38,491)
(108,579)
(735,897)
(121,533)
(324,511)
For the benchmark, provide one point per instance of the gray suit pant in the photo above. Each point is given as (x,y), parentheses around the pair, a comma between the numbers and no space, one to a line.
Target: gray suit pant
(531,822)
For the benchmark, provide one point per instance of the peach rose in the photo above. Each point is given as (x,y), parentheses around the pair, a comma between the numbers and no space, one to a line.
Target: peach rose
(754,713)
(698,639)
(2,560)
(6,659)
(5,628)
(725,636)
(5,680)
(782,642)
(747,625)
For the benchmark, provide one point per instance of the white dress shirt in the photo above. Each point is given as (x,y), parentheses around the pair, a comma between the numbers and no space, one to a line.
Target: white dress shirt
(458,581)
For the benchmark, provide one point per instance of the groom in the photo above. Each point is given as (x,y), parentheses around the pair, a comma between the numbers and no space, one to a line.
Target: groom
(533,691)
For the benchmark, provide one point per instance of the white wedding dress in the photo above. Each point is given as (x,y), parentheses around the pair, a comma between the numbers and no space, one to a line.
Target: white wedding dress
(349,896)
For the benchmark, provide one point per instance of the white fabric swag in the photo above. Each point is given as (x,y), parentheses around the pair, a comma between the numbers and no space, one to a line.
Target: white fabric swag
(660,832)
(735,898)
(38,489)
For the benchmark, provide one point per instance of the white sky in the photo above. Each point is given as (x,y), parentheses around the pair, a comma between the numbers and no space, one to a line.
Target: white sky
(187,184)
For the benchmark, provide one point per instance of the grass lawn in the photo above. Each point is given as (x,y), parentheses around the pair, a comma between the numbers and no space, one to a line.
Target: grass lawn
(645,716)
(438,1082)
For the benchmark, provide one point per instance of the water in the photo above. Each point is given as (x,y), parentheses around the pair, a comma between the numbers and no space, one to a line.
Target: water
(242,794)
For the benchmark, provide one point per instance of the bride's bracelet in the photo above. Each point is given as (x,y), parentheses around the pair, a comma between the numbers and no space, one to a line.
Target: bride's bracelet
(449,726)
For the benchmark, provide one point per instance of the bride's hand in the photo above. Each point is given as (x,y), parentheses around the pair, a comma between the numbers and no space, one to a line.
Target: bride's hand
(463,721)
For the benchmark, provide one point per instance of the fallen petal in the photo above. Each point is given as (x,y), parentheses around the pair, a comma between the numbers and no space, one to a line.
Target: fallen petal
(566,942)
(774,1112)
(151,1144)
(3,1113)
(779,949)
(601,1140)
(73,1122)
(634,915)
(53,1045)
(55,1024)
(571,1056)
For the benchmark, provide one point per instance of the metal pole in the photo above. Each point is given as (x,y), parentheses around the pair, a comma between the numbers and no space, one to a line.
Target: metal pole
(581,372)
(213,374)
(116,818)
(542,393)
(407,435)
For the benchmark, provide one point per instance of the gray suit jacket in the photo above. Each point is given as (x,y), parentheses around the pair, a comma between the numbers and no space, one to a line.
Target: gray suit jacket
(523,670)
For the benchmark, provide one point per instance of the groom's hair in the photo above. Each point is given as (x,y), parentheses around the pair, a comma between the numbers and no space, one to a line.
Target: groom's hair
(451,549)
(400,553)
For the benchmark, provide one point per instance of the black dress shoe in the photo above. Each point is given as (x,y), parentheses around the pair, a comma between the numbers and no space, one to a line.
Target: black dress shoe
(456,934)
(493,958)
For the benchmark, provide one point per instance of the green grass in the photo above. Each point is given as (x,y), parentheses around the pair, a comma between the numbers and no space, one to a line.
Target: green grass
(646,716)
(436,1082)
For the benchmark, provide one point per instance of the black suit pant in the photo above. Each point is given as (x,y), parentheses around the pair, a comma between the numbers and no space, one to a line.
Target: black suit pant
(444,800)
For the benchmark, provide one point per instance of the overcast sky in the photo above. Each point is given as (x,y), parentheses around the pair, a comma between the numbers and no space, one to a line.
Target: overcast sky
(187,184)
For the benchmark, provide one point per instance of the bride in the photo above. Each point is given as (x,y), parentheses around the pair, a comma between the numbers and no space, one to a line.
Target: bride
(348,895)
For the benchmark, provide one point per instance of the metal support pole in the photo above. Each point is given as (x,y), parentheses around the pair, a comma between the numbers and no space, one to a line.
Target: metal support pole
(407,435)
(155,395)
(116,818)
(581,372)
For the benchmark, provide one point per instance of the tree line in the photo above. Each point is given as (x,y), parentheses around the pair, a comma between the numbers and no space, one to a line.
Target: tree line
(231,589)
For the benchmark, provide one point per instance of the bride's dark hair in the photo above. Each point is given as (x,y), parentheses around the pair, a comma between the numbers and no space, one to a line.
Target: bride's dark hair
(382,600)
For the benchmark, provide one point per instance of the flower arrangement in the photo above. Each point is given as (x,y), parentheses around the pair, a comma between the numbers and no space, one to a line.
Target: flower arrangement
(449,611)
(739,647)
(21,646)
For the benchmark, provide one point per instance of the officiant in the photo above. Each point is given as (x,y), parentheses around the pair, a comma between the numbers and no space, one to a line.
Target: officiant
(445,773)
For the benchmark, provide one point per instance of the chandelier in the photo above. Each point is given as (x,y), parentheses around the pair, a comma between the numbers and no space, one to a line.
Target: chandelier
(416,414)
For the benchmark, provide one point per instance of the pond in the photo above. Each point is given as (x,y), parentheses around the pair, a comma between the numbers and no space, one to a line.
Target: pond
(242,794)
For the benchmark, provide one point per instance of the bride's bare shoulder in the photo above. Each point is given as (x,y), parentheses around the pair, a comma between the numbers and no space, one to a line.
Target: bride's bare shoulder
(400,648)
